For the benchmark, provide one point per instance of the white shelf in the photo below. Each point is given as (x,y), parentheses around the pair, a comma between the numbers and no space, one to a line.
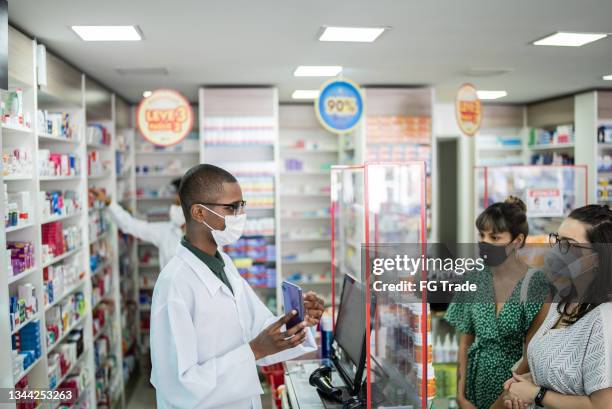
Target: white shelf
(18,227)
(51,138)
(72,368)
(305,239)
(159,175)
(306,173)
(27,371)
(306,261)
(154,199)
(102,330)
(98,146)
(16,178)
(66,293)
(307,151)
(100,176)
(328,217)
(65,334)
(26,322)
(552,147)
(99,238)
(21,275)
(16,128)
(54,178)
(163,153)
(60,218)
(487,149)
(61,257)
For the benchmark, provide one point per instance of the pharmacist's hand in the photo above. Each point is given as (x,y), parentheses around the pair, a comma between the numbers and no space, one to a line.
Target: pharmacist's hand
(465,404)
(314,306)
(273,339)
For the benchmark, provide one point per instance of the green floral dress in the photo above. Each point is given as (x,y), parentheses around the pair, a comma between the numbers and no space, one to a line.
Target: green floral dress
(499,339)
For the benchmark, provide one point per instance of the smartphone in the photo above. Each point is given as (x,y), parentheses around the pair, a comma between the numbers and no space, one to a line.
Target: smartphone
(293,300)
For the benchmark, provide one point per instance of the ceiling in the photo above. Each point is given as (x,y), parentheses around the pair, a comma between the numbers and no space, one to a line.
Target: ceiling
(248,42)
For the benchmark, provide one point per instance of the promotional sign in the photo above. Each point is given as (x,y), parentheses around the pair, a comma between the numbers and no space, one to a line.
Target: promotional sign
(165,118)
(339,106)
(468,110)
(544,203)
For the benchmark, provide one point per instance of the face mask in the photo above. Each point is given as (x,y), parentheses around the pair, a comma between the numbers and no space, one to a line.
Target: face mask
(493,255)
(234,226)
(176,215)
(565,271)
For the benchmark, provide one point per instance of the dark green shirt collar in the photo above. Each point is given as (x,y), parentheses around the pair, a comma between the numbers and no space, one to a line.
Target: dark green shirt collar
(215,263)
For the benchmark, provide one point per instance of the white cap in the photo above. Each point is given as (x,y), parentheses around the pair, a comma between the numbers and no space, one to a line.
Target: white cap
(326,323)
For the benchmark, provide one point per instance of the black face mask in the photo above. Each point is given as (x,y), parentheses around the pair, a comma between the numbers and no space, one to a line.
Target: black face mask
(493,255)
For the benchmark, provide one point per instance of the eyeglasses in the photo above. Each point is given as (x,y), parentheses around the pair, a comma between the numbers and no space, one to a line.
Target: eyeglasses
(237,207)
(564,244)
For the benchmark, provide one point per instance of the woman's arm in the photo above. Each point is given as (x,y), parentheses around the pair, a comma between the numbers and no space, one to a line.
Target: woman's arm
(526,391)
(465,341)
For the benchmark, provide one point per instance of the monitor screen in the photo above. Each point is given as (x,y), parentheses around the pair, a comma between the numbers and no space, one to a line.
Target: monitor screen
(350,325)
(3,44)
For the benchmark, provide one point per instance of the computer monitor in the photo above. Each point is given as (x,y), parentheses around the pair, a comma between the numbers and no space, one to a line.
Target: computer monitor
(349,351)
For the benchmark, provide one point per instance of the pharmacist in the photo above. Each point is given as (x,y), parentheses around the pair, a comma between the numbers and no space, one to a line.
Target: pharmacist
(209,329)
(163,235)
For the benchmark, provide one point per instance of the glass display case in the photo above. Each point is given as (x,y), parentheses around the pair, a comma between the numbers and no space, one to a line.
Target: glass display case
(379,212)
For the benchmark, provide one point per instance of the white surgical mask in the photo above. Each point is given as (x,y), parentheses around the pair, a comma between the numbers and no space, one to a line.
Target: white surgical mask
(176,215)
(234,226)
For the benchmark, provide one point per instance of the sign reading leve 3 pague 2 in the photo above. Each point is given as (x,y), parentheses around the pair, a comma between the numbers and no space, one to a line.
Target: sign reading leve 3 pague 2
(164,118)
(339,106)
(468,110)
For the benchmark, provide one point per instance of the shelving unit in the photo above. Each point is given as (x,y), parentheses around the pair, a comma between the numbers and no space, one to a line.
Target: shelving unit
(66,99)
(239,132)
(307,152)
(397,127)
(604,147)
(502,139)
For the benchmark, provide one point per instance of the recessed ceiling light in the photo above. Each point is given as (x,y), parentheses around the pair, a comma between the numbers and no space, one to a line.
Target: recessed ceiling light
(482,94)
(305,94)
(607,77)
(352,34)
(565,39)
(107,33)
(147,94)
(317,71)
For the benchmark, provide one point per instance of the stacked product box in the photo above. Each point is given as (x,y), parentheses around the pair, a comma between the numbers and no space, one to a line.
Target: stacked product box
(58,164)
(23,306)
(16,162)
(61,317)
(58,279)
(20,256)
(56,240)
(17,208)
(98,134)
(26,346)
(58,124)
(62,360)
(59,203)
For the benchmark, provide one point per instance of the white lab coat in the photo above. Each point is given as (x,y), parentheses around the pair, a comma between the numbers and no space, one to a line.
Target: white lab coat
(166,236)
(200,335)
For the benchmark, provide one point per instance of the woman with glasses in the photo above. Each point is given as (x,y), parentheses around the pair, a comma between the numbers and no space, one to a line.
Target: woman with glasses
(495,322)
(570,356)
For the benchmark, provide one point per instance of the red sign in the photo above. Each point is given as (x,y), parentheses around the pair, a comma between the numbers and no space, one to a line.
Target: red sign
(165,118)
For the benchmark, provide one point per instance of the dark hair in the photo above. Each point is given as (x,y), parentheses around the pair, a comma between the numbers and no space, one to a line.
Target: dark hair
(176,183)
(202,183)
(598,219)
(507,216)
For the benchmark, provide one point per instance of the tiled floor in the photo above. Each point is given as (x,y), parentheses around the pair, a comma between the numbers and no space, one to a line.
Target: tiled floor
(144,397)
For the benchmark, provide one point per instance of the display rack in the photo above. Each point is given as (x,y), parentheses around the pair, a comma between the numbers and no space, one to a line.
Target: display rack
(239,132)
(398,126)
(604,147)
(307,152)
(375,206)
(501,141)
(45,182)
